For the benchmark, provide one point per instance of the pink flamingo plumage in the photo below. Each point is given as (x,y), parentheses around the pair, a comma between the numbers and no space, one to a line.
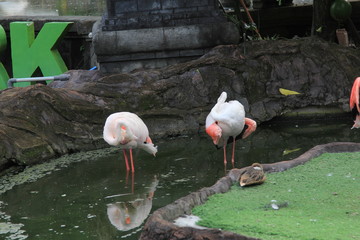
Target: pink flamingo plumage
(227,119)
(127,131)
(354,103)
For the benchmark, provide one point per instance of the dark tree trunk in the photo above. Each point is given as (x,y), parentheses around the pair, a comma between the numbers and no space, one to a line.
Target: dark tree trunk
(323,25)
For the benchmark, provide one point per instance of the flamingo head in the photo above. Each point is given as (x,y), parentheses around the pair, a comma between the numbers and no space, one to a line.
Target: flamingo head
(127,216)
(215,132)
(128,220)
(149,147)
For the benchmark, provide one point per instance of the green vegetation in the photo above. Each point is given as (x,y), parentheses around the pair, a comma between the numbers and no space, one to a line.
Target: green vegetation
(318,200)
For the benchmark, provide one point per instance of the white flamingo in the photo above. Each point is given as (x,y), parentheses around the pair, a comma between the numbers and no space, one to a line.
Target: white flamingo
(227,119)
(127,131)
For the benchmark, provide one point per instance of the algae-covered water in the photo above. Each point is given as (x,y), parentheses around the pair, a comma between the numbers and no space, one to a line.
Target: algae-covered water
(88,195)
(318,200)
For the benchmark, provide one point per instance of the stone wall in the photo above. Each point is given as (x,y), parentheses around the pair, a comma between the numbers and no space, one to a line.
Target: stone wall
(148,48)
(157,33)
(136,14)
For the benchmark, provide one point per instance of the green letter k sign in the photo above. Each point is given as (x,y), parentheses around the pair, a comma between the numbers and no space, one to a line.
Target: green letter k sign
(29,53)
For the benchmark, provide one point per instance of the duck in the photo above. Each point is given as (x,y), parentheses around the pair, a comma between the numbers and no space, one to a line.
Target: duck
(253,175)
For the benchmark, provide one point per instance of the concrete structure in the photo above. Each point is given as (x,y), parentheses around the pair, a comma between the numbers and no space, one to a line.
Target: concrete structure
(152,47)
(136,14)
(152,34)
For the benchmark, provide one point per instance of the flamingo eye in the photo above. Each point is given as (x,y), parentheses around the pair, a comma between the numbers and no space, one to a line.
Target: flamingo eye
(216,122)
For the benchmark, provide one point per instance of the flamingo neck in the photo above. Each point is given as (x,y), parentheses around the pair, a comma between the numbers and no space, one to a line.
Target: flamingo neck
(251,127)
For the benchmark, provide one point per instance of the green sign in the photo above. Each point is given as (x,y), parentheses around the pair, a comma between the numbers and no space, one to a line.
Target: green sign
(29,53)
(3,74)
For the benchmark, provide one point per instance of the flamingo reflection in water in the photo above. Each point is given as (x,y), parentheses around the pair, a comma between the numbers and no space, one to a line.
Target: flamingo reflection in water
(131,214)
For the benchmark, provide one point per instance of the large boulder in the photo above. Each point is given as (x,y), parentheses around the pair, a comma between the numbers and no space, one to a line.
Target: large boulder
(41,122)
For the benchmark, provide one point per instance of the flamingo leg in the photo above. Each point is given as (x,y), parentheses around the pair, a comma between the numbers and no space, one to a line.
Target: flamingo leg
(132,182)
(233,154)
(132,161)
(126,160)
(225,155)
(127,178)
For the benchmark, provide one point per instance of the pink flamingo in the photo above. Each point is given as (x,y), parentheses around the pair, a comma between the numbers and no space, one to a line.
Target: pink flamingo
(227,119)
(354,103)
(128,131)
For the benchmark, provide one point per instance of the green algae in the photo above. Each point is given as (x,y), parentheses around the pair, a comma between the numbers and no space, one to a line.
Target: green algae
(33,173)
(10,230)
(317,200)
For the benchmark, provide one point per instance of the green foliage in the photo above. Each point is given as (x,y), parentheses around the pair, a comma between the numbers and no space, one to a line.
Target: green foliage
(318,200)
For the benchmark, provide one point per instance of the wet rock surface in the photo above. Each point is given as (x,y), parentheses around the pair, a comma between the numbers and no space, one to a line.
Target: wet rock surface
(41,122)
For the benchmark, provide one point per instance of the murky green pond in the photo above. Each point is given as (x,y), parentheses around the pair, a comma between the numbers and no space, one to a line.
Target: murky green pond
(89,196)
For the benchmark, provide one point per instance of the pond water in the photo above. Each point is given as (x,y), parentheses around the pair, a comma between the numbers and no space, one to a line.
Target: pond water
(88,195)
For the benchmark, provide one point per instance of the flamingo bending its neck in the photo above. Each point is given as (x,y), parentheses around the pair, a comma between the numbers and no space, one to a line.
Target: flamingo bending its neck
(128,131)
(354,103)
(227,119)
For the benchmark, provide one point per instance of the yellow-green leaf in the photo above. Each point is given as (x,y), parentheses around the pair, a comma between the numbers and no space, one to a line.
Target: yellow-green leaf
(288,151)
(287,92)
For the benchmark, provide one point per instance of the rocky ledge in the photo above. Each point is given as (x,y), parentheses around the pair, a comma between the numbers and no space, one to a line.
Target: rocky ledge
(42,122)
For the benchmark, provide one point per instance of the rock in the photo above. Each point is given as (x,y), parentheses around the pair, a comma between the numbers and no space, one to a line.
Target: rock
(41,122)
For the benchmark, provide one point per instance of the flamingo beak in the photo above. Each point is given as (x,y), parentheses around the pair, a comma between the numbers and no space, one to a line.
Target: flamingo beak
(216,140)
